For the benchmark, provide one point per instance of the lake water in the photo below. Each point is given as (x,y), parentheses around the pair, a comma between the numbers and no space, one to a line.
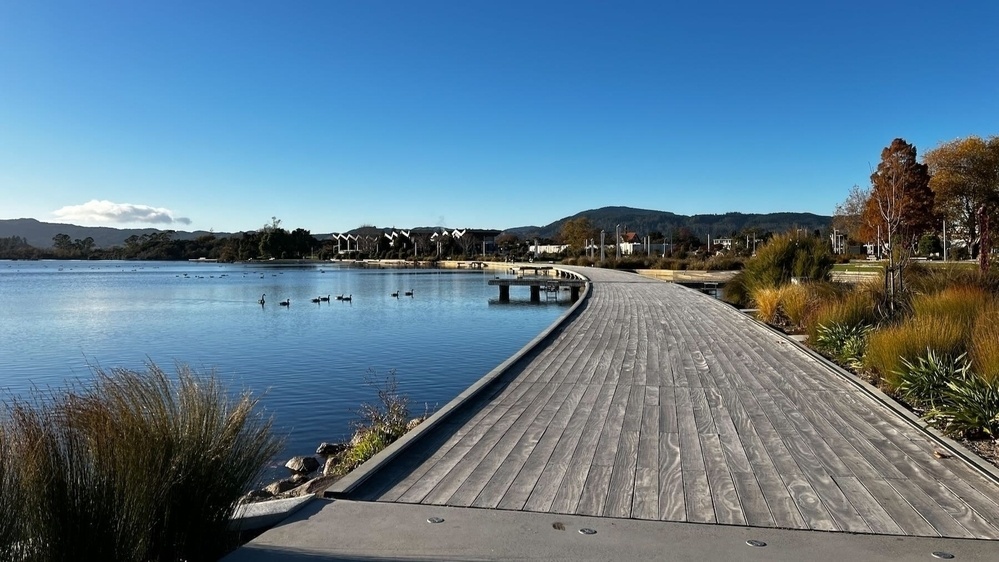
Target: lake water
(57,318)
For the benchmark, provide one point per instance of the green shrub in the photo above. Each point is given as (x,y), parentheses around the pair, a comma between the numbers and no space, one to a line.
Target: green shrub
(366,444)
(970,407)
(783,258)
(136,466)
(923,383)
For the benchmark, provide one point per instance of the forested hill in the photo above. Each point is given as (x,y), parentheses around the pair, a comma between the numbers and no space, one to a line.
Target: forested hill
(39,234)
(644,221)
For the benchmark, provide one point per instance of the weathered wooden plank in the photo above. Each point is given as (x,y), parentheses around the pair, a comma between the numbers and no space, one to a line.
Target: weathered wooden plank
(784,504)
(621,491)
(901,511)
(672,506)
(667,410)
(754,504)
(728,509)
(876,517)
(696,490)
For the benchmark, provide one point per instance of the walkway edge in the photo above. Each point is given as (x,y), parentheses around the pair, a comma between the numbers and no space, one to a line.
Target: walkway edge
(344,486)
(954,447)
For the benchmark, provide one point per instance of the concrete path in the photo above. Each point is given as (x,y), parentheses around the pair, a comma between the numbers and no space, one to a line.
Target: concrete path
(658,403)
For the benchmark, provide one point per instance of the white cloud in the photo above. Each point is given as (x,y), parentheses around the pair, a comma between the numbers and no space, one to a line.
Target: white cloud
(106,212)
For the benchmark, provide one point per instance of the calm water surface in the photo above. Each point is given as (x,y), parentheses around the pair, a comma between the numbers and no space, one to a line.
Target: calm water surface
(59,318)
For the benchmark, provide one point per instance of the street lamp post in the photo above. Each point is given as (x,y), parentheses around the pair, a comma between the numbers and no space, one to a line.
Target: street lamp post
(617,242)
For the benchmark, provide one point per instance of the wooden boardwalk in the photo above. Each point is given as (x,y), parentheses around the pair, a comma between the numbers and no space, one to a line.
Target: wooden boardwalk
(657,402)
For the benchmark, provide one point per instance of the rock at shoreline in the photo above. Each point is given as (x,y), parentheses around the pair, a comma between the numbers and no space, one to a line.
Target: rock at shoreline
(302,465)
(282,486)
(331,449)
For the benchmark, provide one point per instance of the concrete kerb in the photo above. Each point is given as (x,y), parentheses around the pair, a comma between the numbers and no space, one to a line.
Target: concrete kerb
(344,486)
(953,447)
(259,515)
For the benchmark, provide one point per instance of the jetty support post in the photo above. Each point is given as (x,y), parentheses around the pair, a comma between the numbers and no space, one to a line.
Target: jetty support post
(504,293)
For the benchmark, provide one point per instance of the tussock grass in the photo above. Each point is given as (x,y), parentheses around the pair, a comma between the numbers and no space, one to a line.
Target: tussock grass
(984,347)
(136,465)
(851,310)
(767,301)
(798,303)
(909,340)
(961,303)
(10,501)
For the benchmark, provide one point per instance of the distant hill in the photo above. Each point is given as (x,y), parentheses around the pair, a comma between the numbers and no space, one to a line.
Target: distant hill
(39,234)
(644,221)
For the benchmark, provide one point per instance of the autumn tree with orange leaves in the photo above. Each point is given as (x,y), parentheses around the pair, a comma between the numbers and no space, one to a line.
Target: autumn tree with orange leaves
(965,184)
(899,210)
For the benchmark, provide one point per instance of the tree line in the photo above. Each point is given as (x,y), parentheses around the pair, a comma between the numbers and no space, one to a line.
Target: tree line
(271,241)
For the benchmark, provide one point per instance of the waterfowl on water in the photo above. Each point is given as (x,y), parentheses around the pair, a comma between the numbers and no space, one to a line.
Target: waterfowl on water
(285,302)
(317,300)
(396,294)
(261,301)
(346,299)
(325,299)
(409,293)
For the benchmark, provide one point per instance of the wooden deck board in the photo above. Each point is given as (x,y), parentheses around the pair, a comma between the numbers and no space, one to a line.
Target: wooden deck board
(656,402)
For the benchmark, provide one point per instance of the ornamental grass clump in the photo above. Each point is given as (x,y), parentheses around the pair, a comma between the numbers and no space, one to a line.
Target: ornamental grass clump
(984,347)
(768,307)
(850,311)
(889,346)
(798,303)
(136,466)
(11,542)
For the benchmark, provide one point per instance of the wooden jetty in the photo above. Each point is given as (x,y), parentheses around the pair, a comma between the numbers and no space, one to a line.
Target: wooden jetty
(538,284)
(658,402)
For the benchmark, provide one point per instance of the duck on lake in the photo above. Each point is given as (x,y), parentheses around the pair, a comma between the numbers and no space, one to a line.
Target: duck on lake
(286,302)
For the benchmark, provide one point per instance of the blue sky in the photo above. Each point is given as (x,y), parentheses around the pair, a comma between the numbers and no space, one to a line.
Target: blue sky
(333,114)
